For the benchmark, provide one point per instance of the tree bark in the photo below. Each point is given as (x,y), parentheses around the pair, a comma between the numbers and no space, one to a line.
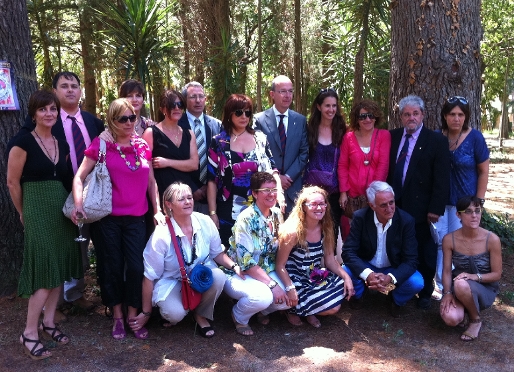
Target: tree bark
(358,77)
(16,48)
(298,61)
(435,54)
(88,57)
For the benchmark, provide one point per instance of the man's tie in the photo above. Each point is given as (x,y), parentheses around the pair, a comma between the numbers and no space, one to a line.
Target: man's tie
(283,138)
(398,169)
(202,150)
(78,140)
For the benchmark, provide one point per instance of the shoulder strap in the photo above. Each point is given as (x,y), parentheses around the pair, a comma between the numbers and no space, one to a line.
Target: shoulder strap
(179,254)
(453,241)
(101,152)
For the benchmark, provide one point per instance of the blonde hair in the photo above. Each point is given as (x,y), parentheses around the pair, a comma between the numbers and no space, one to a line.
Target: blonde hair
(294,227)
(117,108)
(172,193)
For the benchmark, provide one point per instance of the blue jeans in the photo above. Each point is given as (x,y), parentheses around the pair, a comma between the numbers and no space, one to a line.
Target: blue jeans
(447,223)
(401,294)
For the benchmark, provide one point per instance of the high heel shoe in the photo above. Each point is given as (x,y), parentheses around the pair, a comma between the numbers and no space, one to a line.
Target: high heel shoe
(51,332)
(34,354)
(118,333)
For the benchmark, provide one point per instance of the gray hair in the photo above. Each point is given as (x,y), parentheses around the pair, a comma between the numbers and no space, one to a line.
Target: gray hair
(376,187)
(191,84)
(278,79)
(411,100)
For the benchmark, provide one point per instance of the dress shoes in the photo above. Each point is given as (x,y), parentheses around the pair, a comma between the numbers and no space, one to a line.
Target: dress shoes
(424,303)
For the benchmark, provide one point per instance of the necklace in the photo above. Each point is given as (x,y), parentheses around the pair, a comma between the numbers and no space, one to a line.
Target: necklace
(366,161)
(236,136)
(454,144)
(193,250)
(48,152)
(124,157)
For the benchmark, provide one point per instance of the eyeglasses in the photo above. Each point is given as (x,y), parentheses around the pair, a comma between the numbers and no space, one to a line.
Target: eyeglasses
(267,191)
(470,211)
(454,99)
(194,97)
(247,113)
(124,119)
(326,90)
(315,205)
(283,92)
(179,105)
(368,115)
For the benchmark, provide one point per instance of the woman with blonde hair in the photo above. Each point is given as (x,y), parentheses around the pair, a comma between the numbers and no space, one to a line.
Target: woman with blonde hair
(315,283)
(121,236)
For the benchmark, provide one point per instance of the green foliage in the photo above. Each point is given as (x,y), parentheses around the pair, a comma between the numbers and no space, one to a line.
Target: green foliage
(501,225)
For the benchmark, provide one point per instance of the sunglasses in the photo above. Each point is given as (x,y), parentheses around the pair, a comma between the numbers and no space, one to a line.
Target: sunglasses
(366,116)
(247,113)
(326,90)
(460,99)
(174,105)
(124,119)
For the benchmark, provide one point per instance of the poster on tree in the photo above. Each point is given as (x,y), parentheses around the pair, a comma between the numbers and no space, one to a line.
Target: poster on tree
(8,97)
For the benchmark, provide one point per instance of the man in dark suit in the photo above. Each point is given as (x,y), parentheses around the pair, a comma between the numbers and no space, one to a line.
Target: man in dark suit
(419,170)
(381,250)
(287,136)
(66,86)
(205,127)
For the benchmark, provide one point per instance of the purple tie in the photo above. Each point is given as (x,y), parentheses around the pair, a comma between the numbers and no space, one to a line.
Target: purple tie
(78,140)
(398,169)
(283,138)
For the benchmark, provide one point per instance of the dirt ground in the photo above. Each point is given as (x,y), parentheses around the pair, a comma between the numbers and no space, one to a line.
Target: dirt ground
(353,340)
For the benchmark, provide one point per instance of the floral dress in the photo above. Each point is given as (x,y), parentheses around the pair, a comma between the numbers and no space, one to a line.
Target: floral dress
(318,288)
(231,171)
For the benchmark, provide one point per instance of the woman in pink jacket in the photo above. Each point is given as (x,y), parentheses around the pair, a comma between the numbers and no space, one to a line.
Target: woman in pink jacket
(364,154)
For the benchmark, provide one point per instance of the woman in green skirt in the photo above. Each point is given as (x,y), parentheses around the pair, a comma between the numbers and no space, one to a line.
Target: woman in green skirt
(37,173)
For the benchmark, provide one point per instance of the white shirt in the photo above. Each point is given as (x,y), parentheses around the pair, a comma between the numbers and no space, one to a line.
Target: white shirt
(160,259)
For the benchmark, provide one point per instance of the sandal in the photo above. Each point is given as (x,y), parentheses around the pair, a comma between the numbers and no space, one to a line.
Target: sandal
(242,329)
(466,335)
(204,330)
(262,319)
(51,332)
(141,333)
(293,319)
(437,294)
(118,333)
(41,353)
(313,321)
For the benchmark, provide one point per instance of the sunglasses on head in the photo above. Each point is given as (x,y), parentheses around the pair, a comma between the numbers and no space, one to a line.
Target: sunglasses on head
(367,115)
(124,119)
(173,105)
(326,90)
(454,99)
(247,113)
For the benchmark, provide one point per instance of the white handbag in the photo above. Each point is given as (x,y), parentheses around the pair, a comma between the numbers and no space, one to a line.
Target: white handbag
(96,192)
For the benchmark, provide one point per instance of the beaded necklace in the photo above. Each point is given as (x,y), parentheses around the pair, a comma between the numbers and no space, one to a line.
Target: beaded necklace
(193,249)
(48,152)
(133,168)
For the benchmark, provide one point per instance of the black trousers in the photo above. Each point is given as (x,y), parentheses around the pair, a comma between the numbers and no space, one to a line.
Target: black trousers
(119,244)
(427,258)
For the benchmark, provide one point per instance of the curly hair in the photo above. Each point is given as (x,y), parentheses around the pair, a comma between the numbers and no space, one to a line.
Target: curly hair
(294,228)
(371,107)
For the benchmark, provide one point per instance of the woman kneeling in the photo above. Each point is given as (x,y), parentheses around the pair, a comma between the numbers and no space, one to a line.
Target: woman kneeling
(476,255)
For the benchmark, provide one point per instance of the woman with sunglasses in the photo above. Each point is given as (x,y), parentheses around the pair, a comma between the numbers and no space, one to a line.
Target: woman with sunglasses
(305,239)
(472,285)
(364,155)
(235,154)
(174,150)
(469,170)
(120,237)
(325,131)
(253,247)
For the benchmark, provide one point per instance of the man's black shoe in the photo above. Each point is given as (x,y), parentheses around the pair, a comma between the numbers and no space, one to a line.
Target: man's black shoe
(424,303)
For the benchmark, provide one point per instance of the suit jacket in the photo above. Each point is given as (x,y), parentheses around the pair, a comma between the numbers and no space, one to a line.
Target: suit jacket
(401,246)
(297,147)
(427,182)
(212,128)
(93,125)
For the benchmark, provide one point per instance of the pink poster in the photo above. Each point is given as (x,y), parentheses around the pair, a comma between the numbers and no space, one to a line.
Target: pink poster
(8,97)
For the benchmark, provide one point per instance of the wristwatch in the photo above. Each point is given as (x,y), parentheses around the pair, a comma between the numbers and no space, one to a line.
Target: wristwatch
(212,213)
(289,287)
(234,265)
(272,284)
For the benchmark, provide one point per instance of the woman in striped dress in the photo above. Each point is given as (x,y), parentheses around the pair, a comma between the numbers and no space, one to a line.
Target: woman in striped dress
(315,282)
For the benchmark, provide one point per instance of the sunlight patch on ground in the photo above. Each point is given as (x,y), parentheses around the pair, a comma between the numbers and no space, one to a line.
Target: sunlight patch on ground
(319,355)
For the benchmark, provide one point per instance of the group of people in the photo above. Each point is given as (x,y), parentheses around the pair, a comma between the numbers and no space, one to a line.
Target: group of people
(225,186)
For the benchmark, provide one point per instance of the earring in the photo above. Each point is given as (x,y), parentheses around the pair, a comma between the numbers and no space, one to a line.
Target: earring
(33,121)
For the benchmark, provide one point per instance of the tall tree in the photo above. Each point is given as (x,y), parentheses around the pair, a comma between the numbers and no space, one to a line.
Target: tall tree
(16,48)
(435,53)
(298,59)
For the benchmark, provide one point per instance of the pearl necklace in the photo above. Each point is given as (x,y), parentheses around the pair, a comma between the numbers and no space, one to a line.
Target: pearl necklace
(48,152)
(133,168)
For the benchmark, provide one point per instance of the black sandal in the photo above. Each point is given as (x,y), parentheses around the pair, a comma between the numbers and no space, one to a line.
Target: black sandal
(203,331)
(57,338)
(33,353)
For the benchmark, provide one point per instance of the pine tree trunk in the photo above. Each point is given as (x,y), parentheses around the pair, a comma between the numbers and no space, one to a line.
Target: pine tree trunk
(435,54)
(16,48)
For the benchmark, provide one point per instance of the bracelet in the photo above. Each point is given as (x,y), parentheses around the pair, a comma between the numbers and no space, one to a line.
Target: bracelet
(234,266)
(146,313)
(212,213)
(290,287)
(479,276)
(447,292)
